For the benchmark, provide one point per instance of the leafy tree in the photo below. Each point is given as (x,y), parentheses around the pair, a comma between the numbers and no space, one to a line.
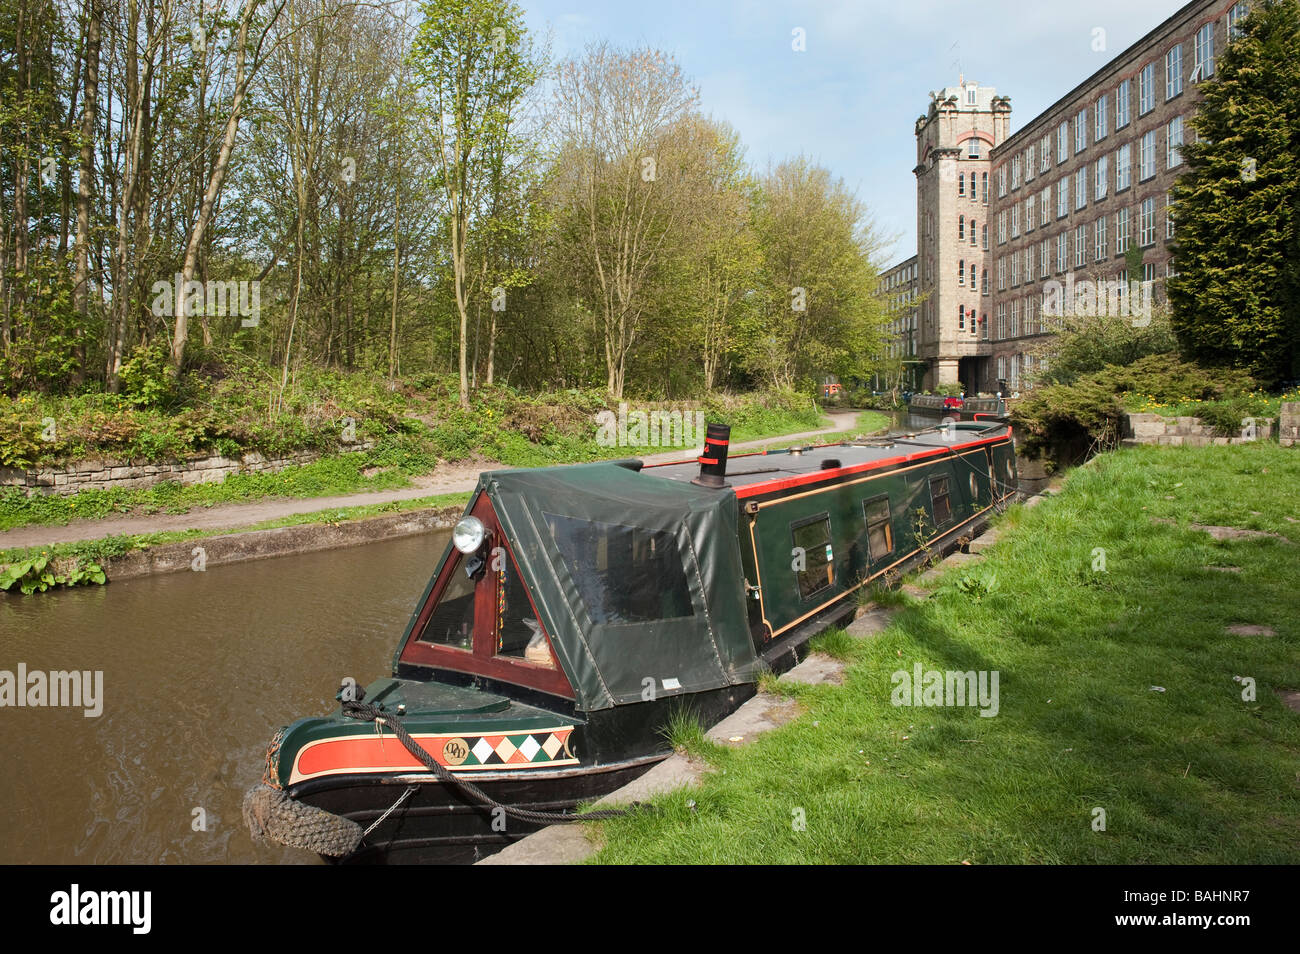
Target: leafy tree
(1236,298)
(476,66)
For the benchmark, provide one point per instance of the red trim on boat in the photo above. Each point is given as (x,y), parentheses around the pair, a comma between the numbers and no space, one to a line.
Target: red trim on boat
(785,483)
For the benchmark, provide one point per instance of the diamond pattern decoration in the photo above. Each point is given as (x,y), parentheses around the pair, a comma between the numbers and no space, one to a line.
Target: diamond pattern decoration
(532,749)
(529,748)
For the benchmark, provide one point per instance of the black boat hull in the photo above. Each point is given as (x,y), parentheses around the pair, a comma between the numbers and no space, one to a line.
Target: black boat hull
(440,824)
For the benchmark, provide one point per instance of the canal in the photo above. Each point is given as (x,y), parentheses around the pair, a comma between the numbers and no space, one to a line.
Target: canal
(199,669)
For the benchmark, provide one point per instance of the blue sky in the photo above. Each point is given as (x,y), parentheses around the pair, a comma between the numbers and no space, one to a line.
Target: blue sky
(851,98)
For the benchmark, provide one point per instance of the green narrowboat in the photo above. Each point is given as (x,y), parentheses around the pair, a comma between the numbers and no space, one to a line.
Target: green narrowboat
(577,608)
(981,408)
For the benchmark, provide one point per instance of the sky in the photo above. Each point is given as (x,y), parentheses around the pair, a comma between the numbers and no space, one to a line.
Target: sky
(849,100)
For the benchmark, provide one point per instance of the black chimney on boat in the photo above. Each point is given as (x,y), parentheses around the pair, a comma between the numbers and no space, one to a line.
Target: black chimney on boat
(713,462)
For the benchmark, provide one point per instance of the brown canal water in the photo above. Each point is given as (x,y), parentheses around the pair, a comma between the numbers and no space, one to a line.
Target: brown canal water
(199,670)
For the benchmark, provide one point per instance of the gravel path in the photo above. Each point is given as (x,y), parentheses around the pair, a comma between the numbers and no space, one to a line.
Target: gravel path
(447,479)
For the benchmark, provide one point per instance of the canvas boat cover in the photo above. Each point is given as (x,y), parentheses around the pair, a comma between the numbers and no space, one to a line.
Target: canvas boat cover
(637,578)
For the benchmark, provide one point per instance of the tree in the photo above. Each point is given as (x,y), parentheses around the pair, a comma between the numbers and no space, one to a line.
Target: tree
(475,66)
(625,171)
(819,314)
(1236,298)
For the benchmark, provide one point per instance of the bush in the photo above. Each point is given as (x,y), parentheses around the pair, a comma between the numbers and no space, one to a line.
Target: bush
(1088,344)
(1069,422)
(146,376)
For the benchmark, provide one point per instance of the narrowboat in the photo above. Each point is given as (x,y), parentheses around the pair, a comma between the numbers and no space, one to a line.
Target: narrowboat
(958,408)
(577,608)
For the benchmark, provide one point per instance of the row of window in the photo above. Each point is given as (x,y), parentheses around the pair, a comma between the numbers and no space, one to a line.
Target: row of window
(1024,316)
(1038,208)
(973,191)
(811,536)
(1017,367)
(1037,158)
(901,276)
(1009,267)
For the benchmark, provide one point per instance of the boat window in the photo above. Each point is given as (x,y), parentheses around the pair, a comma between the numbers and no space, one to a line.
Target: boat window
(813,556)
(880,534)
(452,622)
(519,634)
(974,488)
(940,504)
(623,574)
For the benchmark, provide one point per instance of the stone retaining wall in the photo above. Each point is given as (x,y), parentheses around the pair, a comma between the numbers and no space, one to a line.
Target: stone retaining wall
(140,474)
(1184,431)
(236,546)
(1289,434)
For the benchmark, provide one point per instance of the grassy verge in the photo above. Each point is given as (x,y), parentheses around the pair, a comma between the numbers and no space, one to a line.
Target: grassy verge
(1189,772)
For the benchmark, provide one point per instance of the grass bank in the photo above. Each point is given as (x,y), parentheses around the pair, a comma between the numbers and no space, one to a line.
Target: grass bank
(1106,615)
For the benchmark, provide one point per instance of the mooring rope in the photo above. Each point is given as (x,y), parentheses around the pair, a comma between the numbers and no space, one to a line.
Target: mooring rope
(369,713)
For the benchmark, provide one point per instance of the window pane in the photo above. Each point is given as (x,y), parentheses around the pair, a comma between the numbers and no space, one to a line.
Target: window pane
(880,534)
(814,540)
(520,634)
(624,574)
(939,497)
(452,622)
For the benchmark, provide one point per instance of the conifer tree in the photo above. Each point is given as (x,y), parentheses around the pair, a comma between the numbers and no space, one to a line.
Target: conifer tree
(1236,298)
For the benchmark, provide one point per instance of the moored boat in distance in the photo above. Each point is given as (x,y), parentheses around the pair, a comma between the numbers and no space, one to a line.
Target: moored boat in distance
(580,607)
(981,408)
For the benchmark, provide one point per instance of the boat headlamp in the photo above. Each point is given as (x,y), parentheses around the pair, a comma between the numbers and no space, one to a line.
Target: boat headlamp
(468,534)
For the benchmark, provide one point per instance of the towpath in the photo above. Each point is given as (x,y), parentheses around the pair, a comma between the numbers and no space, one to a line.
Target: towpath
(447,479)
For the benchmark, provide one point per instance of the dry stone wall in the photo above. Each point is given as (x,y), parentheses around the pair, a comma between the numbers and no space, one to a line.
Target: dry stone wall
(140,474)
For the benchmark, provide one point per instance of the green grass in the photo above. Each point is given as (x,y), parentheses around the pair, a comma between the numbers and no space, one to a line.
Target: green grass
(1193,774)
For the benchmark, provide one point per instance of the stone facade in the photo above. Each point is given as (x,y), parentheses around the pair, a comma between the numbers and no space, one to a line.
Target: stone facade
(1102,159)
(140,475)
(898,289)
(954,141)
(1184,432)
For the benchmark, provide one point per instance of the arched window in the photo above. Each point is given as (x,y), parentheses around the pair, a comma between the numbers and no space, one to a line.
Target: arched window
(961,272)
(972,148)
(961,184)
(961,316)
(972,232)
(961,227)
(985,187)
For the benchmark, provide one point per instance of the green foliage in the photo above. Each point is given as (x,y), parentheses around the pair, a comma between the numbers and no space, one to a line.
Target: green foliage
(1067,422)
(976,585)
(1236,298)
(146,377)
(41,573)
(1086,344)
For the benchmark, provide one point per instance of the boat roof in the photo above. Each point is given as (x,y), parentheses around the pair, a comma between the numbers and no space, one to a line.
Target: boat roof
(771,471)
(635,571)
